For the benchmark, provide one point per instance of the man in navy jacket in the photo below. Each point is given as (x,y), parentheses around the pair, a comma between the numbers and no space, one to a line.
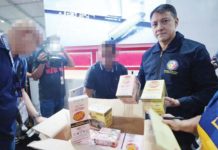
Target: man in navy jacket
(23,37)
(183,64)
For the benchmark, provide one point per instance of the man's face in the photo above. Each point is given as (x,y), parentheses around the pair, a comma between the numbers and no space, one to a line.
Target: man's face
(24,40)
(164,26)
(107,57)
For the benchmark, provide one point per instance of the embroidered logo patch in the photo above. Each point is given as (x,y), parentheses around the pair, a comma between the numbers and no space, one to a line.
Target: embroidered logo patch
(172,65)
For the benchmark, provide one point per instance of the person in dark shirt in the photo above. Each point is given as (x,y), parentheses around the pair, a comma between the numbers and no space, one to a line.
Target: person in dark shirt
(23,38)
(103,77)
(184,65)
(50,72)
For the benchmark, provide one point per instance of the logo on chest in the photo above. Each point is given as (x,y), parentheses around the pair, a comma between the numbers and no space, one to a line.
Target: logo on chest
(172,67)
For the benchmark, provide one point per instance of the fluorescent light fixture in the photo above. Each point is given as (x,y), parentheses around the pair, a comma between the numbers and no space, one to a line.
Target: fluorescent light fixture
(126,26)
(2,21)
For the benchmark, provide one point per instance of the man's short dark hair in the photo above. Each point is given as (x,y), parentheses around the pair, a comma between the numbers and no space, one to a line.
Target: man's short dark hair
(165,8)
(111,44)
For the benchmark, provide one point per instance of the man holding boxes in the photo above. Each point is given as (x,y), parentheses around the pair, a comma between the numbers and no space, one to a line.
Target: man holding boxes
(183,64)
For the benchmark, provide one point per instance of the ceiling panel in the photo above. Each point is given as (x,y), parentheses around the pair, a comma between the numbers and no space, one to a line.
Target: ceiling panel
(4,27)
(25,1)
(37,11)
(11,12)
(41,19)
(3,3)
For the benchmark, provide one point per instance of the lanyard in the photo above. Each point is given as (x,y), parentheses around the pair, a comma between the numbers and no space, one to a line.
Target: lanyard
(12,62)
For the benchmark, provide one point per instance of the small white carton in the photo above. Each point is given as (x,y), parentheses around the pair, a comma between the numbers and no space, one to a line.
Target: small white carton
(128,89)
(79,118)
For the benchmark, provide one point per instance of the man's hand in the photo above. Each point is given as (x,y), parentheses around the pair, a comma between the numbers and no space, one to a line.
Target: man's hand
(42,57)
(40,119)
(173,124)
(171,102)
(214,62)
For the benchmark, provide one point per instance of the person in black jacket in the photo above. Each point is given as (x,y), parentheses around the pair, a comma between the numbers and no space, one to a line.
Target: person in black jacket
(23,38)
(184,65)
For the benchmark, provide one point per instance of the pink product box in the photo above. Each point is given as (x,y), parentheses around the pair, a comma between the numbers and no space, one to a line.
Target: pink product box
(107,137)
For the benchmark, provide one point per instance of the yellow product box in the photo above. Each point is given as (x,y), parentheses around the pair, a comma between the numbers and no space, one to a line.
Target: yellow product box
(101,113)
(153,95)
(128,89)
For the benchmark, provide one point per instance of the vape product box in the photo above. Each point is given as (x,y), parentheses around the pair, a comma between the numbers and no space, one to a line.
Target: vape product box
(78,107)
(101,115)
(80,132)
(153,96)
(128,89)
(133,142)
(107,137)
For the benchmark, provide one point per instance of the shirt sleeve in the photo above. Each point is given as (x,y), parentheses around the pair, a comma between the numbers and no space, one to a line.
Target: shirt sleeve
(141,75)
(90,80)
(205,82)
(124,70)
(24,71)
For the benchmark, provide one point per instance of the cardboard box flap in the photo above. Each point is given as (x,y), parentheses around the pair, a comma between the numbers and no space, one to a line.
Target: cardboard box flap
(55,124)
(51,144)
(161,131)
(154,90)
(55,144)
(99,108)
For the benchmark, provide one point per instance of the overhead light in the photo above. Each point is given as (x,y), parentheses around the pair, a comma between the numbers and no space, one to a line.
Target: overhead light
(2,21)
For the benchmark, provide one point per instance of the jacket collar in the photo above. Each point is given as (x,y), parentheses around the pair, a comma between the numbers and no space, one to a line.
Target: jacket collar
(173,46)
(114,67)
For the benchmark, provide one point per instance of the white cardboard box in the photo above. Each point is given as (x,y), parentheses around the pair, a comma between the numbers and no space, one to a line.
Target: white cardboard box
(128,89)
(61,121)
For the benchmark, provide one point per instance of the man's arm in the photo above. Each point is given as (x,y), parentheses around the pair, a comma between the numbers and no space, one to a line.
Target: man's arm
(189,125)
(88,92)
(90,82)
(70,62)
(30,108)
(38,71)
(204,81)
(141,76)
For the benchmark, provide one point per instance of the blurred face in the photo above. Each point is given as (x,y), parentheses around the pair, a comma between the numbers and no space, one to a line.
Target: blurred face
(106,57)
(23,40)
(164,26)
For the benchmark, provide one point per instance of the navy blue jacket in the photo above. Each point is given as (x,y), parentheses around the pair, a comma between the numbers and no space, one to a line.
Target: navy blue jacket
(104,82)
(8,99)
(185,66)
